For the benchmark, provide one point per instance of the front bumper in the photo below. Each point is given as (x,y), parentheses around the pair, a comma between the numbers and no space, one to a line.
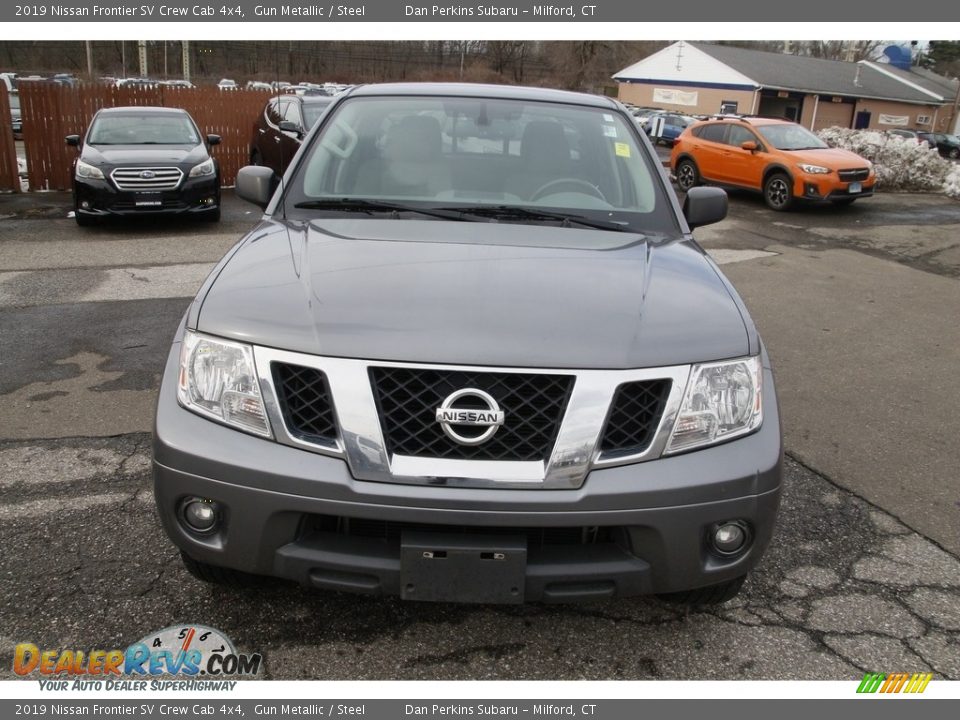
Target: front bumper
(285,507)
(101,198)
(828,187)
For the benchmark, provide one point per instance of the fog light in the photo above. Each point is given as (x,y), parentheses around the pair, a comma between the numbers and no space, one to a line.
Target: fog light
(85,205)
(200,515)
(729,538)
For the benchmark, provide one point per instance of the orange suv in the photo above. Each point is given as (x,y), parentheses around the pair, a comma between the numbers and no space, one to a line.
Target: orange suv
(783,160)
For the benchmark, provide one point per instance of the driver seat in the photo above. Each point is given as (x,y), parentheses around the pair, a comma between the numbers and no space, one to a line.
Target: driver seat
(544,155)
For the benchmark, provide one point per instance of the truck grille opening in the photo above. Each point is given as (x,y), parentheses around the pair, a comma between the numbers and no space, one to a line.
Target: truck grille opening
(305,403)
(634,416)
(408,399)
(390,531)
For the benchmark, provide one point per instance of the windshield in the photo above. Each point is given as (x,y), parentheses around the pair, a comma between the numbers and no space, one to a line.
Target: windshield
(483,154)
(143,129)
(312,112)
(791,137)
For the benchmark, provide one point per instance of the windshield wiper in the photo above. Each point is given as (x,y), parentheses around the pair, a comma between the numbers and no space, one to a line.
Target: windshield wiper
(371,206)
(508,212)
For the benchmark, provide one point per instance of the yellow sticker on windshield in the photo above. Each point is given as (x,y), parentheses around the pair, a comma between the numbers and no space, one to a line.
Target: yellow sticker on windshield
(622,149)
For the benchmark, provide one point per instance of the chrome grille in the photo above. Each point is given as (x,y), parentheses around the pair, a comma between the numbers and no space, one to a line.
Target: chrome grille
(408,400)
(854,174)
(147,178)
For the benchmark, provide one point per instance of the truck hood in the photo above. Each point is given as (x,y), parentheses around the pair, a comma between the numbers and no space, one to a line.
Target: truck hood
(474,293)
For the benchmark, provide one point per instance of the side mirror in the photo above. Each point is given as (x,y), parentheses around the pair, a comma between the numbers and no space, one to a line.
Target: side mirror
(73,140)
(213,139)
(256,183)
(749,145)
(702,206)
(290,126)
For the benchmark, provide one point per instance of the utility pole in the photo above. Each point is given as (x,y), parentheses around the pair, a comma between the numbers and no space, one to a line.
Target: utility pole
(123,57)
(165,74)
(186,59)
(89,60)
(142,52)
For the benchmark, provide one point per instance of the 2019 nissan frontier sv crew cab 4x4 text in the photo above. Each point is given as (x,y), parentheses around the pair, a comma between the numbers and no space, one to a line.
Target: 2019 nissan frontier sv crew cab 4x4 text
(471,353)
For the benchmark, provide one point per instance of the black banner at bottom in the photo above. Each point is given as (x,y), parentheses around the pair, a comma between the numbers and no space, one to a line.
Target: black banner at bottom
(875,708)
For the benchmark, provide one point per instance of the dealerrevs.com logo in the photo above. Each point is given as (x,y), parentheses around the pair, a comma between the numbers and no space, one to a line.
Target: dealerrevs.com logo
(198,654)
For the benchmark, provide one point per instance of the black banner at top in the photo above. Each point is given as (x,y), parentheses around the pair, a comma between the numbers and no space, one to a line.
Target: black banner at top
(247,11)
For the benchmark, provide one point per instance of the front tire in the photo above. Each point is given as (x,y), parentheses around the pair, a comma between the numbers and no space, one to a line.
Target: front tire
(688,175)
(953,153)
(710,595)
(778,193)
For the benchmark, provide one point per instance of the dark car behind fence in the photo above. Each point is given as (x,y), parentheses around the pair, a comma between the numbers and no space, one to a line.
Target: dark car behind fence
(52,111)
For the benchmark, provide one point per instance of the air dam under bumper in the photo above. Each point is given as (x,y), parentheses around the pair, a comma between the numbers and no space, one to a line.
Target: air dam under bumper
(285,510)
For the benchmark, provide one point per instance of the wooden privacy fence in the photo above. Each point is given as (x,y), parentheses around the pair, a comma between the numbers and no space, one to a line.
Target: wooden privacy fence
(51,112)
(9,178)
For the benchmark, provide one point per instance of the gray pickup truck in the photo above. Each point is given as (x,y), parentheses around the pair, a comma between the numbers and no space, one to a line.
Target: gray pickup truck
(471,353)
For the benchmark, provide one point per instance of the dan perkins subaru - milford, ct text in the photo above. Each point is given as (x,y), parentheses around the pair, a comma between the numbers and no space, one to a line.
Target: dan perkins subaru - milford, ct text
(496,11)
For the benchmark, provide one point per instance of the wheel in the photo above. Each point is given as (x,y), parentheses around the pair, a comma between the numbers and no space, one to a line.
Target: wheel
(550,188)
(954,153)
(710,595)
(777,192)
(687,174)
(212,216)
(219,575)
(843,202)
(83,220)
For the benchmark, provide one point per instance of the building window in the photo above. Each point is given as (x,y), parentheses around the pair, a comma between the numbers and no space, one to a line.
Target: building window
(923,119)
(728,107)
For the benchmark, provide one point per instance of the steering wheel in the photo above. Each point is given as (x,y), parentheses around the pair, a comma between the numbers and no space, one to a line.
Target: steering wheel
(550,188)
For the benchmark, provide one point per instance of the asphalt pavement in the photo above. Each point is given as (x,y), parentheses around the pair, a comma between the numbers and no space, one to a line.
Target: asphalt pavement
(857,307)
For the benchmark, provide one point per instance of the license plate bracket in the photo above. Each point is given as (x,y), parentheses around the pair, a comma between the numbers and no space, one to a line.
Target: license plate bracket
(854,188)
(439,567)
(148,199)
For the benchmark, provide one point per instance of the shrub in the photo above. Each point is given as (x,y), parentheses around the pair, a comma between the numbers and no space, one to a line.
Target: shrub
(900,163)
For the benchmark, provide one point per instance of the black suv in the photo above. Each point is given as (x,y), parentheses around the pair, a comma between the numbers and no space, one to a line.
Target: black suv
(281,127)
(144,160)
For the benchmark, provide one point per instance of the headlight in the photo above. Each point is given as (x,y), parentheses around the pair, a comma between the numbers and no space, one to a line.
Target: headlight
(723,400)
(86,170)
(813,169)
(203,169)
(218,379)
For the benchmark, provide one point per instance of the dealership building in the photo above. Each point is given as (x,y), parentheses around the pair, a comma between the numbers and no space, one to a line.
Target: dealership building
(702,78)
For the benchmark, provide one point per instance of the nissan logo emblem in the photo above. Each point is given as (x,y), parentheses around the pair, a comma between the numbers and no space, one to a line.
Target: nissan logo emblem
(452,418)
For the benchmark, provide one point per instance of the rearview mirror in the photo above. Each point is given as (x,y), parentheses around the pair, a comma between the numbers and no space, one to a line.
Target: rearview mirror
(749,145)
(73,140)
(213,139)
(256,184)
(703,206)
